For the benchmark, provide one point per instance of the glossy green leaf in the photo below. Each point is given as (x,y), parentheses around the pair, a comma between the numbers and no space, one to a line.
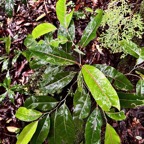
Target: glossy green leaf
(82,104)
(31,43)
(42,131)
(50,55)
(42,29)
(27,115)
(140,88)
(130,100)
(90,31)
(81,101)
(55,79)
(27,133)
(61,12)
(69,33)
(7,44)
(130,47)
(79,130)
(141,56)
(62,15)
(50,73)
(9,7)
(120,80)
(62,39)
(111,136)
(59,40)
(118,116)
(7,80)
(93,128)
(55,43)
(80,82)
(100,88)
(43,103)
(37,64)
(59,82)
(68,18)
(63,130)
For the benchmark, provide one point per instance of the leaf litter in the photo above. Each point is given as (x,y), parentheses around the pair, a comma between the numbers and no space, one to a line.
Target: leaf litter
(25,18)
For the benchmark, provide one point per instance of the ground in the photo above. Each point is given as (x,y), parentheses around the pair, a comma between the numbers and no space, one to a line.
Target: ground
(25,18)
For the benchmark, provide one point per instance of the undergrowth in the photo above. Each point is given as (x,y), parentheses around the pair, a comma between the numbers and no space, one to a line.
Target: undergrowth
(120,23)
(70,102)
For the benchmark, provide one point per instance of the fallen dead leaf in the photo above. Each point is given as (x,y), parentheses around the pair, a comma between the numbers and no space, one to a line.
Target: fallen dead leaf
(12,129)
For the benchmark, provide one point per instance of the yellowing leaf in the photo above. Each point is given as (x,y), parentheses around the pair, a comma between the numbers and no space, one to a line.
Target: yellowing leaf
(42,131)
(62,15)
(41,16)
(42,29)
(100,88)
(111,137)
(27,133)
(27,115)
(61,11)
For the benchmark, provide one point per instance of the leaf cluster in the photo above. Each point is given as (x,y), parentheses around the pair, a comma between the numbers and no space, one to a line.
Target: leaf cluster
(6,66)
(96,91)
(122,24)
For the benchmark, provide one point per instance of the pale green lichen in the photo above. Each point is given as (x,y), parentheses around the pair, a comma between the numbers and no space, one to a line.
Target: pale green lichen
(121,24)
(142,9)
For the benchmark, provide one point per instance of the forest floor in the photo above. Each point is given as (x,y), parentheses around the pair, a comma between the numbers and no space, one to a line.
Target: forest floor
(25,18)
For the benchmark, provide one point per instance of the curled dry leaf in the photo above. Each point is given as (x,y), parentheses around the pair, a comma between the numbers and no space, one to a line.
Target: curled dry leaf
(12,129)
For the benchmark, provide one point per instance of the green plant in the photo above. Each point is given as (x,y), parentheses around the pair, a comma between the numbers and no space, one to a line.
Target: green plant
(142,10)
(8,5)
(6,61)
(10,89)
(92,90)
(122,24)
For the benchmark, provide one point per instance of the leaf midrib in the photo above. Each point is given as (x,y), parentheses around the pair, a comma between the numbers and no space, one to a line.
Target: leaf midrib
(71,61)
(96,83)
(89,35)
(60,80)
(30,115)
